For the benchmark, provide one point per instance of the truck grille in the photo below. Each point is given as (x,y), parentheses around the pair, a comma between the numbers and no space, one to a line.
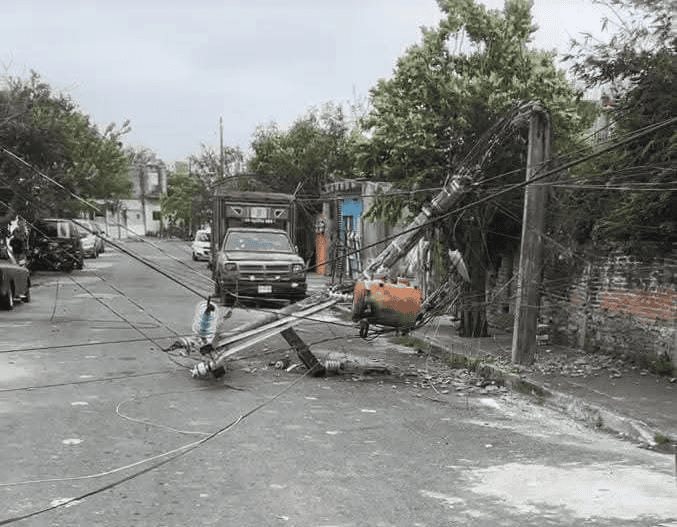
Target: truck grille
(251,268)
(264,271)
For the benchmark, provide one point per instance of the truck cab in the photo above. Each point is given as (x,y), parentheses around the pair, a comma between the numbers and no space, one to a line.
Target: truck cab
(256,263)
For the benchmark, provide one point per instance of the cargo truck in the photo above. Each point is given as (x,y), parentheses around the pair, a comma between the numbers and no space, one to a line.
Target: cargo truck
(254,253)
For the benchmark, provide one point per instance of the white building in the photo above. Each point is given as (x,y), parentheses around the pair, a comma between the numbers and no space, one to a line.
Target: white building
(141,213)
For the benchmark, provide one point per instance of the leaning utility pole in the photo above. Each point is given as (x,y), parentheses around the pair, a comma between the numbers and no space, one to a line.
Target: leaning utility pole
(222,166)
(531,251)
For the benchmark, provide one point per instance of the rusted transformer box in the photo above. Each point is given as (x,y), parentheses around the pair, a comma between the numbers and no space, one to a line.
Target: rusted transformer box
(378,301)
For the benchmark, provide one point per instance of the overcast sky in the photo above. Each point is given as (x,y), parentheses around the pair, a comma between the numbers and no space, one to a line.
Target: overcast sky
(173,66)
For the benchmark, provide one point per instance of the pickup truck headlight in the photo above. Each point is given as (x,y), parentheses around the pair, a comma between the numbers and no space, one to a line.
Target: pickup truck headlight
(230,267)
(297,268)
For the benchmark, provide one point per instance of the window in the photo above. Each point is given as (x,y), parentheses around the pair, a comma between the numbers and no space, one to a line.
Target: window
(157,215)
(258,242)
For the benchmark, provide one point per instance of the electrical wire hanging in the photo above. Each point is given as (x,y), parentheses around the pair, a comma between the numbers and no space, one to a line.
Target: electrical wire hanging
(169,456)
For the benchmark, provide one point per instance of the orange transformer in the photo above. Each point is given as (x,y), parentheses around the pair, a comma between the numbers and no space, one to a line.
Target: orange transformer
(378,301)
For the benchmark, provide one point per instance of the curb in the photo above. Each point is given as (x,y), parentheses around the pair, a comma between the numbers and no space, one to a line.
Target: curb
(594,415)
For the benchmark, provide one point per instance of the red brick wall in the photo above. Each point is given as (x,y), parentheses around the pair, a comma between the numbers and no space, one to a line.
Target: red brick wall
(648,305)
(618,304)
(600,300)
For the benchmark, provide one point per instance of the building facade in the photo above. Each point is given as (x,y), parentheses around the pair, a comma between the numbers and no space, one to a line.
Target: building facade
(141,214)
(345,239)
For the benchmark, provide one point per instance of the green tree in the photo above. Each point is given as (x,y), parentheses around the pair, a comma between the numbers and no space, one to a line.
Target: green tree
(182,198)
(188,202)
(444,93)
(316,149)
(637,67)
(52,134)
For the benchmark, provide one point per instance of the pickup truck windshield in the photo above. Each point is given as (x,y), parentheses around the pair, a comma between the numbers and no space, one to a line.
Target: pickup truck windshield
(258,242)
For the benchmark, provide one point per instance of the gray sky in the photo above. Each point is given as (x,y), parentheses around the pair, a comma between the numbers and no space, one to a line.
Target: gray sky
(172,67)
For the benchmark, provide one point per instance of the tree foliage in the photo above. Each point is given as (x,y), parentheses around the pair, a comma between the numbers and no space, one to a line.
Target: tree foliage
(51,133)
(190,192)
(182,202)
(445,92)
(637,67)
(316,149)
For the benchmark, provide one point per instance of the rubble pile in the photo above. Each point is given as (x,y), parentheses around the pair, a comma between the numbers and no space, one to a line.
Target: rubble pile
(443,380)
(584,365)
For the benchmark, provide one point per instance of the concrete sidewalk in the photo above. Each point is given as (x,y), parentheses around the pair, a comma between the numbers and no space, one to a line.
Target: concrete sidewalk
(605,391)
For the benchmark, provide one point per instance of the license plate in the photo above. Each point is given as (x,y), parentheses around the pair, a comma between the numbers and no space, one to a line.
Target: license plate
(265,289)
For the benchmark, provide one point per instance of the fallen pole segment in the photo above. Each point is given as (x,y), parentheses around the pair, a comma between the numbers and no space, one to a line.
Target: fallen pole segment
(282,320)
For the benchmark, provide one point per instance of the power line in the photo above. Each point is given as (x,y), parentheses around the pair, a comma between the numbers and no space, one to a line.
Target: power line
(538,177)
(173,454)
(119,315)
(139,259)
(84,381)
(89,344)
(88,204)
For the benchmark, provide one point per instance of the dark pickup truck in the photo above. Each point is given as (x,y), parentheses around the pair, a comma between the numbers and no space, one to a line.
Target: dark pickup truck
(259,263)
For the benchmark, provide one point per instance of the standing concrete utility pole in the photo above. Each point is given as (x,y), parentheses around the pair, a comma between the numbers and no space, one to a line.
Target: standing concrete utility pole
(531,251)
(222,166)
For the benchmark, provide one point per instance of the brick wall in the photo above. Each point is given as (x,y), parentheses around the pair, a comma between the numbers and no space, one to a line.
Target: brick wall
(621,304)
(601,299)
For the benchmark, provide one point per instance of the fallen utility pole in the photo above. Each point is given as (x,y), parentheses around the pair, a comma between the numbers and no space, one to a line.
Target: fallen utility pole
(455,187)
(531,250)
(260,330)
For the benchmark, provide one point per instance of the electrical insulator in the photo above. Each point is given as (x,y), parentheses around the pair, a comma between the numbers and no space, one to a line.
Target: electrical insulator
(205,320)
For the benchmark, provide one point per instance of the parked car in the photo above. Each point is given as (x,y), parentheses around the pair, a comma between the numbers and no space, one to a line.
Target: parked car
(202,245)
(15,281)
(259,263)
(90,238)
(55,244)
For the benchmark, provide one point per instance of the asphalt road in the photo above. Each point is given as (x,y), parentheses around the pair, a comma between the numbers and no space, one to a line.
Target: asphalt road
(346,450)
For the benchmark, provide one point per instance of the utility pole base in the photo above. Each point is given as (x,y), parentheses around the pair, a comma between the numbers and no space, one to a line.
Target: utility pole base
(303,351)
